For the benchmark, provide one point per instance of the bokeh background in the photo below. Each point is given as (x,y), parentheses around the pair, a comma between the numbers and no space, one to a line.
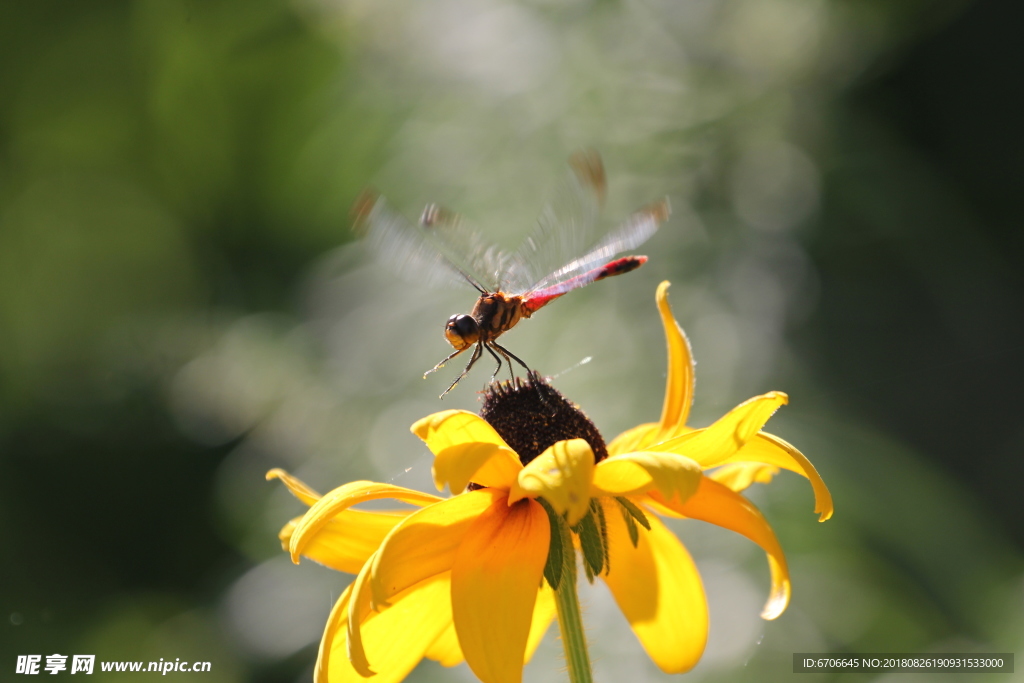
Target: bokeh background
(182,306)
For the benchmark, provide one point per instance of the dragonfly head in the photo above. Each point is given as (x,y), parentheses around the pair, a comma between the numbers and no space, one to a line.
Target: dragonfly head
(461,331)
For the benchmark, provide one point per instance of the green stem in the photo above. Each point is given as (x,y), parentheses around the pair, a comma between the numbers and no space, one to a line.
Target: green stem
(570,621)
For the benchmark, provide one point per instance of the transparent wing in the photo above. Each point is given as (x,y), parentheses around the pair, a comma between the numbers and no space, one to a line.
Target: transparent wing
(637,229)
(464,246)
(567,226)
(432,253)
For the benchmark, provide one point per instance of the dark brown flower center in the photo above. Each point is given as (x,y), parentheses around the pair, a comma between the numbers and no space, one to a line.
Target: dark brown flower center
(530,415)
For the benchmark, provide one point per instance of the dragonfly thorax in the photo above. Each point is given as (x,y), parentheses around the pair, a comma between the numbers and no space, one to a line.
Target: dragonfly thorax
(493,314)
(497,312)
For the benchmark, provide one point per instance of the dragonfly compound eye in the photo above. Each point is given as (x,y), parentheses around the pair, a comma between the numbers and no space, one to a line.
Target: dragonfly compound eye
(461,331)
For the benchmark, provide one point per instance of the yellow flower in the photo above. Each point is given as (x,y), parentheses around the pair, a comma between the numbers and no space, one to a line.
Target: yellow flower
(458,578)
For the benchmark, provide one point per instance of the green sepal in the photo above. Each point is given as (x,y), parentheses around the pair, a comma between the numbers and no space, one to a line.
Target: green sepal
(591,543)
(602,523)
(556,561)
(634,532)
(634,512)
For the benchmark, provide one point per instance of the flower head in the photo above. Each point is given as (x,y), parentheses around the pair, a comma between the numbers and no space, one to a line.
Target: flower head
(469,577)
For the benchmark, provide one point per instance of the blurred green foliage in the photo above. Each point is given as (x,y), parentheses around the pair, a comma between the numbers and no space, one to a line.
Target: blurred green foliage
(176,316)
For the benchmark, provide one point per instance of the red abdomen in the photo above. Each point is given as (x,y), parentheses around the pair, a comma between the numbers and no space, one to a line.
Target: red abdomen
(539,298)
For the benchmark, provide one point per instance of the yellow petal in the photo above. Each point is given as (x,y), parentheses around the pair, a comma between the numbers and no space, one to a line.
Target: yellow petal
(445,650)
(395,640)
(738,476)
(343,497)
(499,471)
(543,614)
(713,445)
(562,475)
(285,534)
(771,450)
(333,638)
(679,384)
(425,543)
(494,588)
(347,540)
(481,463)
(675,476)
(718,505)
(421,547)
(662,510)
(358,612)
(463,443)
(297,488)
(635,439)
(659,590)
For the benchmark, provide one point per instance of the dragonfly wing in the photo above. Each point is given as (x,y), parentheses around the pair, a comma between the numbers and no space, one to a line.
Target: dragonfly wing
(581,271)
(415,252)
(465,247)
(566,227)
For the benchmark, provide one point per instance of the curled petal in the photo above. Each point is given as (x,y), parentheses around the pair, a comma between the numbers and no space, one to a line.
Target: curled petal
(296,487)
(463,444)
(738,476)
(285,534)
(717,504)
(347,540)
(393,641)
(680,382)
(342,498)
(562,475)
(495,580)
(713,445)
(769,449)
(359,611)
(659,590)
(426,543)
(675,476)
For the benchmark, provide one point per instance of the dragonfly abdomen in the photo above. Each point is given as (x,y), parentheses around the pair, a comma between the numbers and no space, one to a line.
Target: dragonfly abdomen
(544,296)
(620,266)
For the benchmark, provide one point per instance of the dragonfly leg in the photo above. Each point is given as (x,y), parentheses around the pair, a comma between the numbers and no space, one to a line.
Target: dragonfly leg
(476,356)
(505,352)
(441,364)
(497,358)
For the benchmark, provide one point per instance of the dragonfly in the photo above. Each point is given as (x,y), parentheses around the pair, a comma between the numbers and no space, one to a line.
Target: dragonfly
(561,254)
